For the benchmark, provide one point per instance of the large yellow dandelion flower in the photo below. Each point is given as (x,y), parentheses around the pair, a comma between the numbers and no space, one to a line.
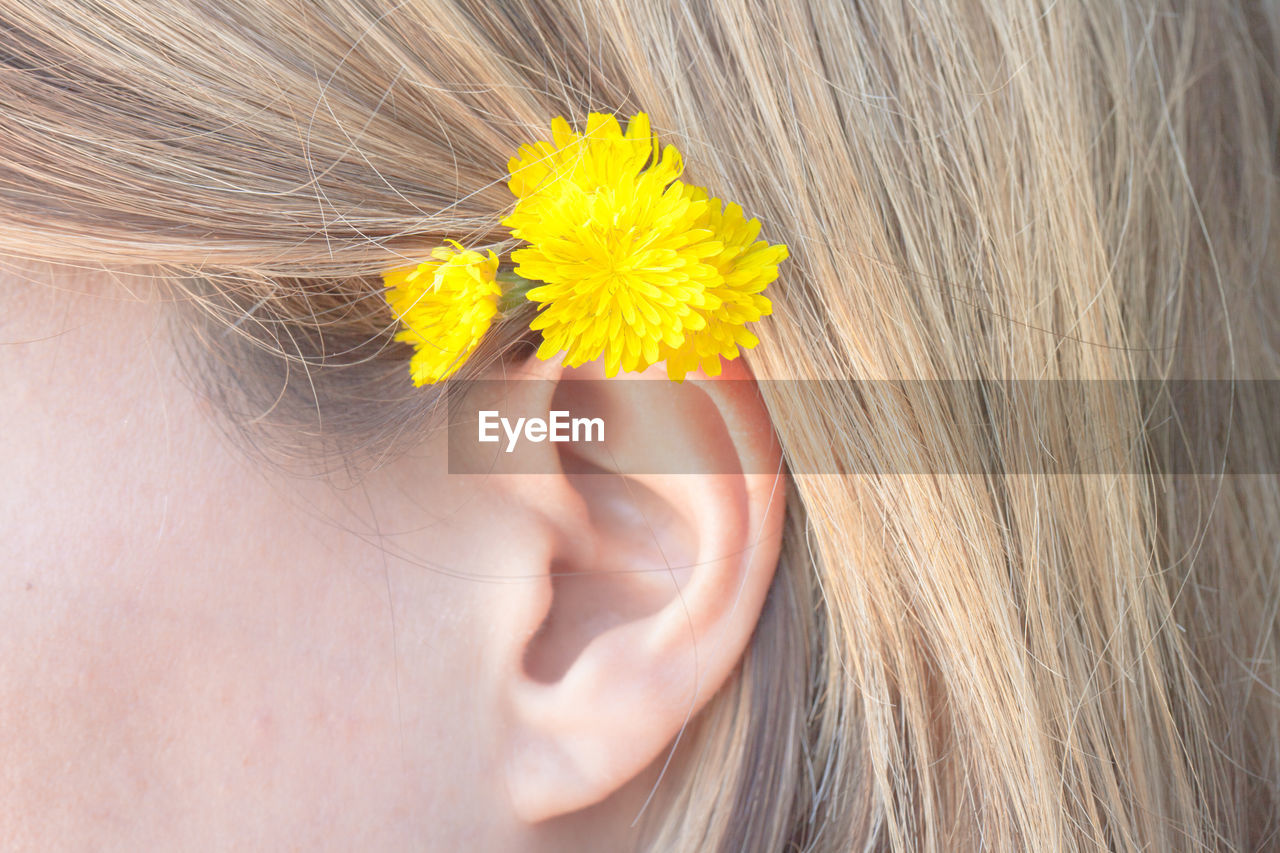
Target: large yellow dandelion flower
(634,265)
(621,247)
(446,306)
(746,266)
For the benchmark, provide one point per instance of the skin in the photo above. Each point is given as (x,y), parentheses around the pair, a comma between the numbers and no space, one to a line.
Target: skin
(198,653)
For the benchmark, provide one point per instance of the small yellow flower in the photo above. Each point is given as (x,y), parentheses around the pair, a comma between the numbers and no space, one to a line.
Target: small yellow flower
(446,306)
(635,266)
(746,266)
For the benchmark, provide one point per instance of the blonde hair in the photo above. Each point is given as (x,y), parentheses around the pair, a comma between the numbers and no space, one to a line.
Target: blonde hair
(1012,189)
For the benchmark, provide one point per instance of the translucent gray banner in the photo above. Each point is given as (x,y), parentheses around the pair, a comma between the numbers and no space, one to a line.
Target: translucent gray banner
(976,427)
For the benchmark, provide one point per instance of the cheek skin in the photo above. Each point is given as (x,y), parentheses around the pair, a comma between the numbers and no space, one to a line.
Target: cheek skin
(195,654)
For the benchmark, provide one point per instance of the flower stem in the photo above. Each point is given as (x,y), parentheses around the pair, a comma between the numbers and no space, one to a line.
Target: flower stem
(514,289)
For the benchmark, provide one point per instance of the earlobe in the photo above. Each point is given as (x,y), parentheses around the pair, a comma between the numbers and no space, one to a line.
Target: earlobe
(645,612)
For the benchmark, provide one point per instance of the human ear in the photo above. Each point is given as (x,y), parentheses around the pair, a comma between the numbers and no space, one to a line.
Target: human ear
(640,610)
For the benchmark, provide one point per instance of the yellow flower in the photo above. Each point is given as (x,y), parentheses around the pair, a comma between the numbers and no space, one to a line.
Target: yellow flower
(603,150)
(446,306)
(615,239)
(635,266)
(746,266)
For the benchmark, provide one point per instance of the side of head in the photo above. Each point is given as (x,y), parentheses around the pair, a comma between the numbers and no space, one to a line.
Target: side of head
(868,647)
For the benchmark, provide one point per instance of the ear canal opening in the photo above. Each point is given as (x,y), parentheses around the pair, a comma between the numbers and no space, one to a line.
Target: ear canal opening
(641,548)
